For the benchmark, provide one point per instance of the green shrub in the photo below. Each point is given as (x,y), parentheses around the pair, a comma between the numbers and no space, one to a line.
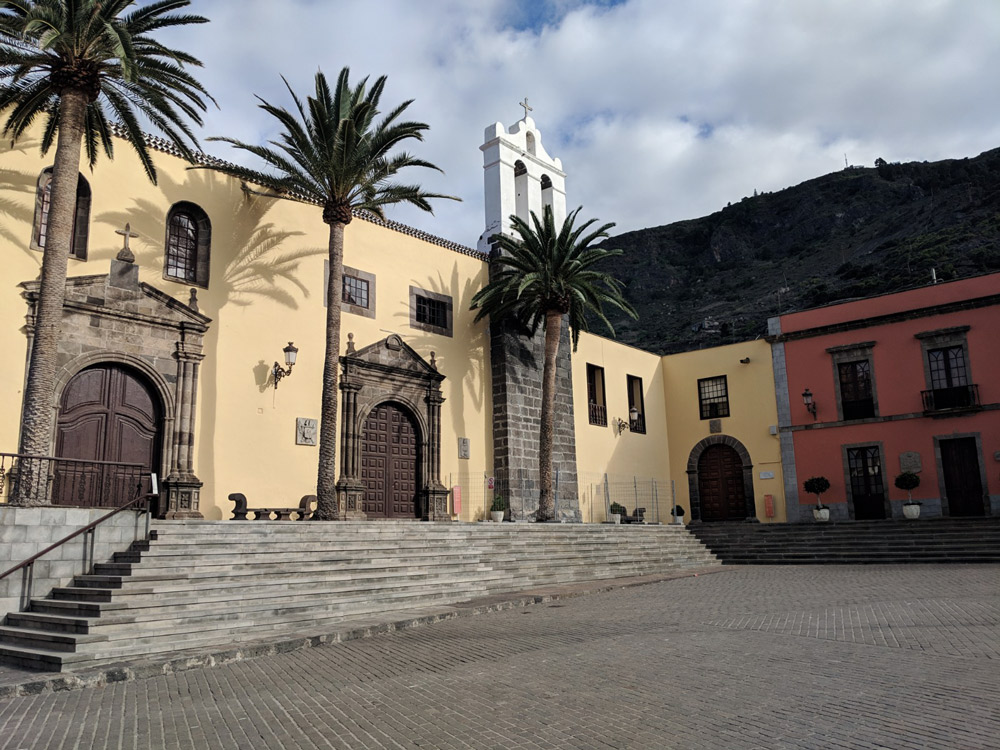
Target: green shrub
(499,503)
(619,509)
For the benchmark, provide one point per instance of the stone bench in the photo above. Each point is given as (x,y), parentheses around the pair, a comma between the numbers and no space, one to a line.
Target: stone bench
(638,517)
(240,511)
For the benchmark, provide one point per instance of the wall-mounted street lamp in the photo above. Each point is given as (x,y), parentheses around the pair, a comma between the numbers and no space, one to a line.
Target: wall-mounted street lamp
(278,372)
(807,399)
(633,415)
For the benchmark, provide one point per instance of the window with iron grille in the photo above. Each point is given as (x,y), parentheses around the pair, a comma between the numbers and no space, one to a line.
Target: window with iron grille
(182,247)
(635,401)
(856,395)
(188,244)
(81,217)
(597,410)
(713,397)
(355,291)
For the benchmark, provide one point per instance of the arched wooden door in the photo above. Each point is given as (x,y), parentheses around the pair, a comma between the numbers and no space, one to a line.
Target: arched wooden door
(107,413)
(390,463)
(720,484)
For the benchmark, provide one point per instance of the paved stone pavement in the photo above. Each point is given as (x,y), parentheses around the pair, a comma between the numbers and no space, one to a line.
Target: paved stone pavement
(804,657)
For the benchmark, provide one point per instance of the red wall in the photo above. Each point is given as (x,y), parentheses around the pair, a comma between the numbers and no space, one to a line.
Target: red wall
(899,378)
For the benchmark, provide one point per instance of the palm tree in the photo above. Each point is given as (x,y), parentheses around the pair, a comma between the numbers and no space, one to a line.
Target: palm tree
(543,275)
(74,62)
(333,152)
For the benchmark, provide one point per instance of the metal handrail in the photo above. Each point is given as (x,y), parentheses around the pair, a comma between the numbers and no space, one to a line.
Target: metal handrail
(89,527)
(73,460)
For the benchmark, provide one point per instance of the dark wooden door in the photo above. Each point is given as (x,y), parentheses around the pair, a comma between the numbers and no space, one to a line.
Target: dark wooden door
(963,484)
(107,413)
(867,486)
(389,463)
(720,484)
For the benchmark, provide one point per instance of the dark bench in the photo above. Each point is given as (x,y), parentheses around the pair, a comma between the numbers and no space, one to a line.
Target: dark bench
(304,509)
(638,517)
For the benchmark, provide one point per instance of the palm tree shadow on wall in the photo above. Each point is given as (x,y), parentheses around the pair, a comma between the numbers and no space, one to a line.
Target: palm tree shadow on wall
(17,202)
(248,260)
(467,371)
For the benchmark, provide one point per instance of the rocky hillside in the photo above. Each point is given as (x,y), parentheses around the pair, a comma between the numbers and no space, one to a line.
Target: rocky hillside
(854,233)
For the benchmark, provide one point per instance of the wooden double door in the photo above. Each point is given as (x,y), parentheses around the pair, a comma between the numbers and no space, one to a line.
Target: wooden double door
(721,489)
(963,484)
(107,413)
(390,463)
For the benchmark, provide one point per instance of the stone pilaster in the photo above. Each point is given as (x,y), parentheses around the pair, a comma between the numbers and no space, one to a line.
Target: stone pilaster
(182,487)
(350,490)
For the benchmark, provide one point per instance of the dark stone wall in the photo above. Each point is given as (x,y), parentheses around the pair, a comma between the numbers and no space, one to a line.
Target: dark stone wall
(517,364)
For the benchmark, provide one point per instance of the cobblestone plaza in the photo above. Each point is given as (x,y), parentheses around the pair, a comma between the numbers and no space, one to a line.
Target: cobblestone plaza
(755,657)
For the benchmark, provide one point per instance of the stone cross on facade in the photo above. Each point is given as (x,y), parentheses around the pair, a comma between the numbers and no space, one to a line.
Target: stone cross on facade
(125,254)
(527,109)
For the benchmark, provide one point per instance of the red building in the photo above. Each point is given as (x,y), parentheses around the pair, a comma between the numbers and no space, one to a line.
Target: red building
(904,381)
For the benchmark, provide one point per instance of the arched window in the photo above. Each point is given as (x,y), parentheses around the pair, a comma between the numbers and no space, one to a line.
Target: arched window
(189,235)
(81,220)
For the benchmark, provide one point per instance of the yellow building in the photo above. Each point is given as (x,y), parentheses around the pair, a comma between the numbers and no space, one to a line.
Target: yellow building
(169,358)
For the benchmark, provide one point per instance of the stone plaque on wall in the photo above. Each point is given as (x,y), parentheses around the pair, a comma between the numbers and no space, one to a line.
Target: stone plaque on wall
(910,461)
(715,426)
(305,431)
(463,447)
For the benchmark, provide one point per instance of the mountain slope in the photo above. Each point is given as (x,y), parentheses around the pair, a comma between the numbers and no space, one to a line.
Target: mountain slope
(854,233)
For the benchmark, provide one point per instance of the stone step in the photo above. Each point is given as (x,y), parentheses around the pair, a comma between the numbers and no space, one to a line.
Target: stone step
(214,584)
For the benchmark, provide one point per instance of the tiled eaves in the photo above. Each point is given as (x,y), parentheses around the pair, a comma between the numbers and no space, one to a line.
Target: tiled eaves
(164,146)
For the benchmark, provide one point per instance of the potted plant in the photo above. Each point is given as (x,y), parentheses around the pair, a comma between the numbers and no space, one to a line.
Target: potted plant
(678,514)
(817,486)
(909,481)
(617,511)
(498,508)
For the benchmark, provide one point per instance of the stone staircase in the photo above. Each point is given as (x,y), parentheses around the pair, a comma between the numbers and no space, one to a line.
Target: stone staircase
(203,584)
(935,540)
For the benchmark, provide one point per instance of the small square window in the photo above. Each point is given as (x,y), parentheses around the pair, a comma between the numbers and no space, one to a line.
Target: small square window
(430,311)
(713,397)
(355,291)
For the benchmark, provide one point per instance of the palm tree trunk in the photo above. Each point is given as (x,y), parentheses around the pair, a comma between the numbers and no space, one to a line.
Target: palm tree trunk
(38,407)
(553,327)
(326,482)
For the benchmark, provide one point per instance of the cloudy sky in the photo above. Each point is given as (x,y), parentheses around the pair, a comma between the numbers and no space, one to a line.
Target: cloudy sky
(660,110)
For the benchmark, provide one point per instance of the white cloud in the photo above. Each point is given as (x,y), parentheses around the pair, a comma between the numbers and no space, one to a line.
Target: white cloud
(660,110)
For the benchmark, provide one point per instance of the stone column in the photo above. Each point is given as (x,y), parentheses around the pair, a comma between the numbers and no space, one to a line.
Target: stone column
(350,490)
(181,487)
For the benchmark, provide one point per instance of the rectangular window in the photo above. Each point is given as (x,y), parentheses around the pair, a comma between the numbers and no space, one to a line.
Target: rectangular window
(636,406)
(355,291)
(596,405)
(430,311)
(949,378)
(856,398)
(713,397)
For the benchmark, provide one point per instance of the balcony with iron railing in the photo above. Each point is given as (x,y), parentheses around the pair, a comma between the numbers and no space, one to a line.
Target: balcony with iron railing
(598,414)
(953,399)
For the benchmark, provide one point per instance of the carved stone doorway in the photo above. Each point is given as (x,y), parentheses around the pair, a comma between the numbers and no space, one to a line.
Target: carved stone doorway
(389,383)
(390,463)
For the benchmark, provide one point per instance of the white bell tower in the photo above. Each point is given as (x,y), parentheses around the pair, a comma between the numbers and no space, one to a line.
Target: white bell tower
(519,177)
